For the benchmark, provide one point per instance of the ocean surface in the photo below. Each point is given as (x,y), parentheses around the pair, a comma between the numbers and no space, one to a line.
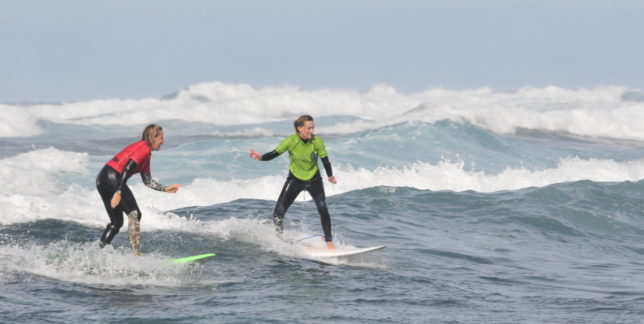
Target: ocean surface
(496,207)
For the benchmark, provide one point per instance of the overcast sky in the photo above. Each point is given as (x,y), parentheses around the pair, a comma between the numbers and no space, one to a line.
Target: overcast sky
(69,50)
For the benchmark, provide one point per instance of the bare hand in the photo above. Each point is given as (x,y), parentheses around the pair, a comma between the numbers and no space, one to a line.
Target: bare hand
(332,180)
(116,199)
(254,155)
(172,188)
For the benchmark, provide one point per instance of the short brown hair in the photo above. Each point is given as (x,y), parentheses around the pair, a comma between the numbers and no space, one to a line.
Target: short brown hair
(299,122)
(151,132)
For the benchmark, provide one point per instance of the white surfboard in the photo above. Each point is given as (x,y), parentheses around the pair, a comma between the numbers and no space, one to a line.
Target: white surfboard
(323,252)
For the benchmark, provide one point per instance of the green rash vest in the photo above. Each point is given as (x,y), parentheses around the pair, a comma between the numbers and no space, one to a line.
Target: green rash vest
(303,156)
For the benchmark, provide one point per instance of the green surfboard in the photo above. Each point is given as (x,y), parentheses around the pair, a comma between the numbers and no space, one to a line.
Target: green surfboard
(200,257)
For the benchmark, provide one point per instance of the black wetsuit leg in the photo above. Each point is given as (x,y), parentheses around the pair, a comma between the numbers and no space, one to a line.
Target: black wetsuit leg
(292,187)
(315,187)
(106,182)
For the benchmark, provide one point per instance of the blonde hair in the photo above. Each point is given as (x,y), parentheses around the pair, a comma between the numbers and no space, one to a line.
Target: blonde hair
(299,122)
(151,132)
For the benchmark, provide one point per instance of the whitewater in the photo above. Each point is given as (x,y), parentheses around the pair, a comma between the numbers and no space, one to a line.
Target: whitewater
(496,207)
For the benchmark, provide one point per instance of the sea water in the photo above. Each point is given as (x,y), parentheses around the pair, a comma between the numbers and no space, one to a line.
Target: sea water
(496,207)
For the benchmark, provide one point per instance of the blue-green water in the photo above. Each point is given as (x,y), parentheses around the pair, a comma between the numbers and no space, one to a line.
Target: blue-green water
(539,224)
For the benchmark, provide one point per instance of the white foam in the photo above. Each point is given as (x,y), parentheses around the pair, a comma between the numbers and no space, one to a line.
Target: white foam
(444,175)
(51,183)
(209,191)
(38,185)
(254,132)
(596,112)
(34,172)
(88,264)
(453,176)
(261,233)
(17,121)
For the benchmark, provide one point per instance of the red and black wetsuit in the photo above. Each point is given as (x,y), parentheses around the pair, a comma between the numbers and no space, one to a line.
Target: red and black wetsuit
(135,158)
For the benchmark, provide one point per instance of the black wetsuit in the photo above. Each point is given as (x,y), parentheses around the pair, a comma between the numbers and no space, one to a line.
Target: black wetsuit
(292,188)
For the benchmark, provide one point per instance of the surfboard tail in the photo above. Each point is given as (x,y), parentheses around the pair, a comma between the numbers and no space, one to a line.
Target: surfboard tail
(340,252)
(193,258)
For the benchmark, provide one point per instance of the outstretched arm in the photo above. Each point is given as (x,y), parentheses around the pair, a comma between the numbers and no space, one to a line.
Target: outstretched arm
(266,157)
(151,183)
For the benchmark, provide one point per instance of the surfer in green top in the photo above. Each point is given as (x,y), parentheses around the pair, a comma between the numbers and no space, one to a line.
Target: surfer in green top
(304,149)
